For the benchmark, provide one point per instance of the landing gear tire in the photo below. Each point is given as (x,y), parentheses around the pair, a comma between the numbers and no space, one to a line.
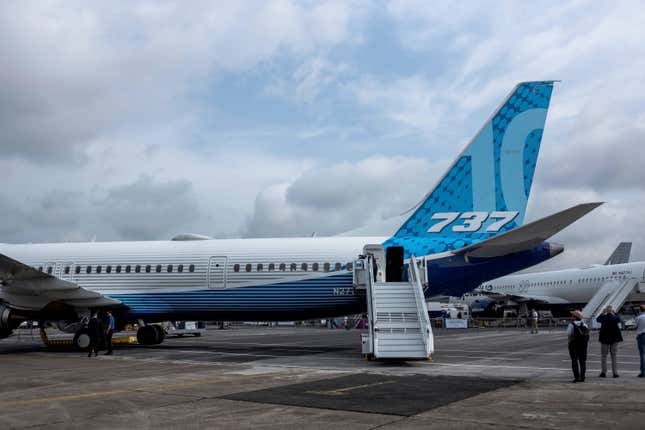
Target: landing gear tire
(82,340)
(161,334)
(150,335)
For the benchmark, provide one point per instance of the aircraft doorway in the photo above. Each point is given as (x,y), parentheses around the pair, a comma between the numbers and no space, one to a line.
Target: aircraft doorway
(217,273)
(394,264)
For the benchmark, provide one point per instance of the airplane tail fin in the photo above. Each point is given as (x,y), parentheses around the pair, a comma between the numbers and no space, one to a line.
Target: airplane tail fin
(620,255)
(485,190)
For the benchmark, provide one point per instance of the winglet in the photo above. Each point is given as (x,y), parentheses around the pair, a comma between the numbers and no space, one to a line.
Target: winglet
(527,236)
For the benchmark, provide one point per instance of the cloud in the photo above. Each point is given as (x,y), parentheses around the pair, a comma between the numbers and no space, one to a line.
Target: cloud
(283,118)
(78,72)
(336,198)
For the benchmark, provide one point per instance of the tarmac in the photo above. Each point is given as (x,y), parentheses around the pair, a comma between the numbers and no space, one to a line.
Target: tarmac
(301,377)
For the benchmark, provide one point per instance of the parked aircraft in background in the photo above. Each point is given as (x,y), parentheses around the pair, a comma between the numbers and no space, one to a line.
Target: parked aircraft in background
(573,288)
(467,229)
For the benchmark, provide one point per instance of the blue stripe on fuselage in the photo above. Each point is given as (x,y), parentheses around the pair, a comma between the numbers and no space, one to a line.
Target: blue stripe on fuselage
(321,297)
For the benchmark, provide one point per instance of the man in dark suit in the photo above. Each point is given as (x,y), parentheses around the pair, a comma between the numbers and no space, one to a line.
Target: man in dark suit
(609,337)
(95,330)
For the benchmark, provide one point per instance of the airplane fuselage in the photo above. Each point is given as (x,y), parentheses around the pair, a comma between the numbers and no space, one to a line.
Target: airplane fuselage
(571,286)
(243,279)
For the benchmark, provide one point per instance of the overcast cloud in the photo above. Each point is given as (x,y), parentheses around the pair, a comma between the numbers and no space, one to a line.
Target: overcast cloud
(142,120)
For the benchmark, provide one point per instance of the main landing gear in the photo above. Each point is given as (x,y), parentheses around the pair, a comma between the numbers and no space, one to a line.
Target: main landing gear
(150,334)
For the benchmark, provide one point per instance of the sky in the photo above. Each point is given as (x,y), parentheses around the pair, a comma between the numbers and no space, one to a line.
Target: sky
(140,120)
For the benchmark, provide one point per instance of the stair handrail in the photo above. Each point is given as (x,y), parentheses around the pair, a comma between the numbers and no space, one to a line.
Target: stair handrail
(369,293)
(424,319)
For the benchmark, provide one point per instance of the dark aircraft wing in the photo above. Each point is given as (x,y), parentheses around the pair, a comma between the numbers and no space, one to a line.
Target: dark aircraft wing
(24,287)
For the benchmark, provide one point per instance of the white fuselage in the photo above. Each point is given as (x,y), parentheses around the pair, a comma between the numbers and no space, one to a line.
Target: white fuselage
(209,279)
(217,264)
(570,286)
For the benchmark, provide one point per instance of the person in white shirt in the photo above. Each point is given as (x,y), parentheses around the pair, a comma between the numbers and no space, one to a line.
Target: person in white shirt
(534,321)
(640,339)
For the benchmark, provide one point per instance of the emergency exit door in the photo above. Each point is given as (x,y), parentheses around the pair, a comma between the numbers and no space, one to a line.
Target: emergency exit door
(217,273)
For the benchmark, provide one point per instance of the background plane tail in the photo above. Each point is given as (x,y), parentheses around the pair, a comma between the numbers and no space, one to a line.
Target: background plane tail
(485,191)
(620,255)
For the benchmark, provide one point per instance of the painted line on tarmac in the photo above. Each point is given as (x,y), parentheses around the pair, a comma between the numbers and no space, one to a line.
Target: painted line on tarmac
(485,366)
(95,394)
(489,357)
(525,352)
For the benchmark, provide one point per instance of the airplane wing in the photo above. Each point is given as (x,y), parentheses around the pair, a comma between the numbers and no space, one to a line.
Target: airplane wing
(620,255)
(527,236)
(543,299)
(24,287)
(520,298)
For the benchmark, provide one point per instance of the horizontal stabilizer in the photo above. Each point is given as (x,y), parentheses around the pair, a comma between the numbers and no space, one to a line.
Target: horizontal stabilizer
(527,236)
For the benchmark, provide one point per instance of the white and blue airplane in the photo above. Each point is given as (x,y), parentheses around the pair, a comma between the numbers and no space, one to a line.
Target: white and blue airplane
(563,290)
(468,229)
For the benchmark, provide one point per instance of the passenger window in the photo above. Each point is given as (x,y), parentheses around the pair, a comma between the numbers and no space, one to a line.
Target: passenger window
(337,266)
(98,269)
(350,266)
(118,269)
(180,268)
(283,267)
(88,269)
(158,268)
(260,267)
(67,270)
(50,270)
(293,267)
(40,268)
(271,267)
(303,267)
(236,268)
(326,267)
(248,268)
(191,268)
(148,268)
(128,268)
(314,267)
(137,268)
(169,268)
(108,269)
(77,269)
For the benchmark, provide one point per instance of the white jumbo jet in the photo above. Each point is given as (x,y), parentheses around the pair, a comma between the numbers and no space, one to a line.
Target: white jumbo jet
(468,229)
(572,288)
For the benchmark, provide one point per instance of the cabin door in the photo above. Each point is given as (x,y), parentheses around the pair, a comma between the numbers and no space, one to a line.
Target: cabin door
(217,273)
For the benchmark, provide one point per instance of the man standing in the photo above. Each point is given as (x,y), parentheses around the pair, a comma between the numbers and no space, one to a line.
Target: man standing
(94,330)
(640,338)
(578,336)
(609,337)
(534,321)
(109,331)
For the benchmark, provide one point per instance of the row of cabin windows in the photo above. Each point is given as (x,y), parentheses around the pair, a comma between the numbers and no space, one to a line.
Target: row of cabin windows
(293,267)
(123,269)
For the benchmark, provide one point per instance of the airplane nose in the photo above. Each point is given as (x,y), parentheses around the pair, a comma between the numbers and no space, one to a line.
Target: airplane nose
(555,249)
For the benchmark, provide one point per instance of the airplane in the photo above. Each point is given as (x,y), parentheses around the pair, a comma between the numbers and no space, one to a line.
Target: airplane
(468,229)
(564,290)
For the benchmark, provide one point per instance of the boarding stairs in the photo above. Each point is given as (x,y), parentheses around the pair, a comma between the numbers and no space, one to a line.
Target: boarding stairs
(398,322)
(613,293)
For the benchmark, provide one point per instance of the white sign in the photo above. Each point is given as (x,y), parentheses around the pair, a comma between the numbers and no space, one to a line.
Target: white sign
(456,323)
